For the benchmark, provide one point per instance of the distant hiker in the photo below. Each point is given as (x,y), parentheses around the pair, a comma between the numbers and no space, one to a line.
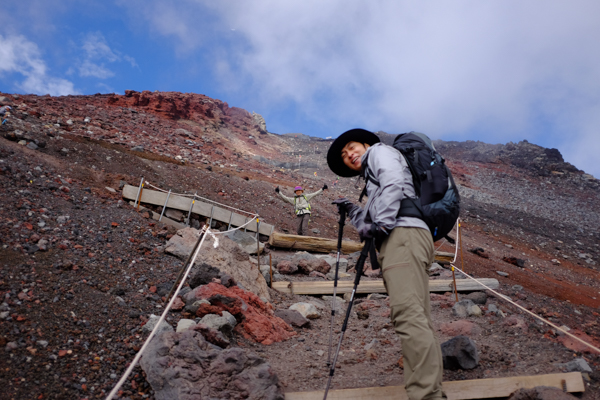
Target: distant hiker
(301,205)
(406,251)
(4,110)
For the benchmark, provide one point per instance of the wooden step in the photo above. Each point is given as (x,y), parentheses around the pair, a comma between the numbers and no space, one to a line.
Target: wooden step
(376,286)
(571,382)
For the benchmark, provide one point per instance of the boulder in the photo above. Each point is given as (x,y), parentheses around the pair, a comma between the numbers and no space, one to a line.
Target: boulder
(256,320)
(151,323)
(203,275)
(193,305)
(307,266)
(185,324)
(227,257)
(293,318)
(460,352)
(307,310)
(287,267)
(332,261)
(465,308)
(477,297)
(578,364)
(183,242)
(224,323)
(185,365)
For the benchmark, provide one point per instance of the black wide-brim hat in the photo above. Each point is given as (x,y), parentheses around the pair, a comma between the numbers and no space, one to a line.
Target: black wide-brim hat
(334,155)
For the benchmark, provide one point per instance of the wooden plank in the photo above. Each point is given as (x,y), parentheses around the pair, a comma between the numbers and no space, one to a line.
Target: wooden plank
(376,286)
(201,208)
(455,390)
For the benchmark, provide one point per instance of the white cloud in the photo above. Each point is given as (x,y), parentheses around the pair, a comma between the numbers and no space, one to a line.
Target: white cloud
(88,68)
(495,71)
(97,53)
(95,47)
(19,55)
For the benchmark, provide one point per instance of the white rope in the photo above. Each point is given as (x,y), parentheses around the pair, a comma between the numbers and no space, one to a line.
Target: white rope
(206,232)
(503,297)
(506,298)
(238,228)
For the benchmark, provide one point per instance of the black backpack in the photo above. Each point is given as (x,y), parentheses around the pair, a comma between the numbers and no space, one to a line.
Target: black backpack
(438,201)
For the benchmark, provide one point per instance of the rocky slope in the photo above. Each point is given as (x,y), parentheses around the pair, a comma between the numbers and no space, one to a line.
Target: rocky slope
(81,271)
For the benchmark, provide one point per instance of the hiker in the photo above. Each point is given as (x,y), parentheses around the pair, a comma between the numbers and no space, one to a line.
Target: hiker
(3,111)
(405,247)
(301,205)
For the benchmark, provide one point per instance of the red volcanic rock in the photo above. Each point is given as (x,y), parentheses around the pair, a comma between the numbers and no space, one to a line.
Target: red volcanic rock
(461,327)
(178,304)
(368,305)
(576,345)
(188,106)
(256,320)
(286,267)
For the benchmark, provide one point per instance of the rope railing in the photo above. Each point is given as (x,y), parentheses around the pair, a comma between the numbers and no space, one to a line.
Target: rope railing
(507,299)
(204,231)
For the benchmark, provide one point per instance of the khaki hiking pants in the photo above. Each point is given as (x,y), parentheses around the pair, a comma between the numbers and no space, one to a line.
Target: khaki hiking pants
(405,257)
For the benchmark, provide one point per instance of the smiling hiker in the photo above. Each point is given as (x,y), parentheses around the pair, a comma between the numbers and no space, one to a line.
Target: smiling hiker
(301,204)
(406,250)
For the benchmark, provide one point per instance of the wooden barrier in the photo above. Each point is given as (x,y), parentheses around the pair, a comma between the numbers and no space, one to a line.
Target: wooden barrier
(201,208)
(376,286)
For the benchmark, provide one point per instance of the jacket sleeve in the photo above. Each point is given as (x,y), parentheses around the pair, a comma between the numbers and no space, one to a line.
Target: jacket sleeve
(311,195)
(285,198)
(389,169)
(357,216)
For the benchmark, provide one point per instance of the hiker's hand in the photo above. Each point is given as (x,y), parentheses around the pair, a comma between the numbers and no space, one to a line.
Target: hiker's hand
(324,186)
(343,203)
(371,231)
(277,189)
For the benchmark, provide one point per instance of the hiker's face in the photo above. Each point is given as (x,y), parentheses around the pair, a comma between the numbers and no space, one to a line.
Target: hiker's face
(298,192)
(352,153)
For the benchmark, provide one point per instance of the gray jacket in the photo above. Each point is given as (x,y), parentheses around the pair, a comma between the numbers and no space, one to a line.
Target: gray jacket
(301,203)
(387,166)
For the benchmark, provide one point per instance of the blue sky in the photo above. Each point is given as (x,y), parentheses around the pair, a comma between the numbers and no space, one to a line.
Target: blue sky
(495,71)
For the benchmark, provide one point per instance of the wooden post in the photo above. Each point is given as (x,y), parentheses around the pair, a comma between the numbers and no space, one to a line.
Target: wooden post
(190,211)
(454,280)
(139,195)
(165,206)
(270,271)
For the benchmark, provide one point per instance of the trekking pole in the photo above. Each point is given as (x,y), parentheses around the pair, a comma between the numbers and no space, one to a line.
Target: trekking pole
(359,269)
(342,211)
